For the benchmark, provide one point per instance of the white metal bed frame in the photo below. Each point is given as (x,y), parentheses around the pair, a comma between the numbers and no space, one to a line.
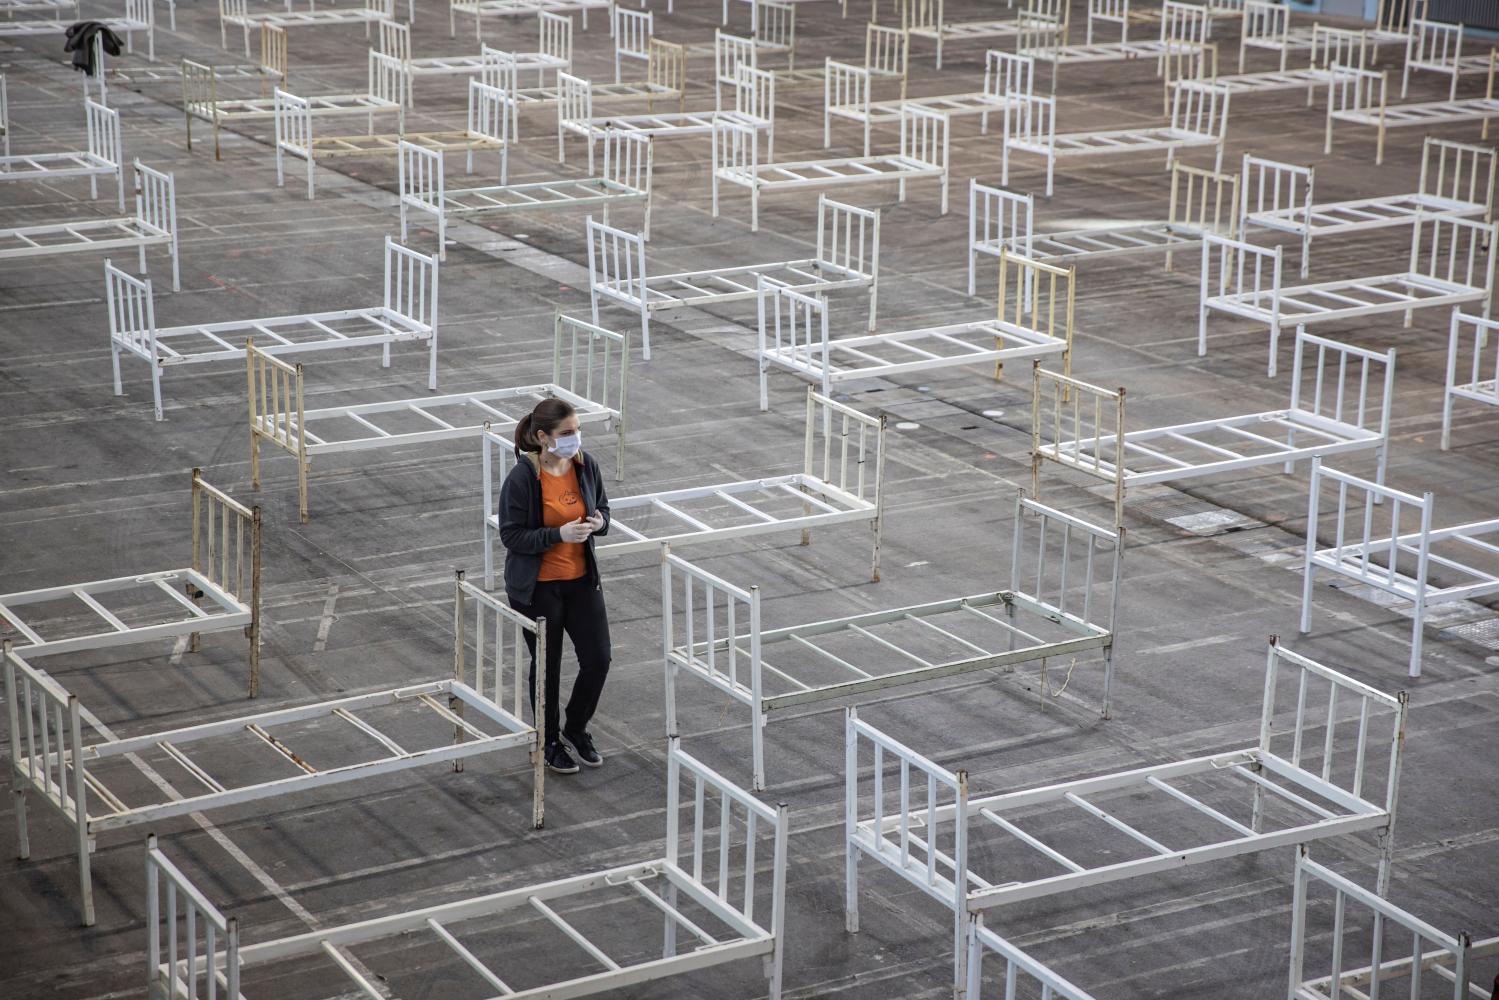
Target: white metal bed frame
(224,571)
(665,79)
(408,311)
(886,58)
(1182,50)
(754,109)
(139,16)
(847,255)
(1393,19)
(153,224)
(1267,26)
(1202,201)
(389,90)
(925,19)
(1451,958)
(57,744)
(1328,49)
(833,487)
(1019,968)
(1038,298)
(1199,117)
(1457,179)
(847,95)
(208,966)
(1451,266)
(1437,47)
(594,382)
(1347,409)
(625,178)
(480,9)
(270,64)
(1479,387)
(492,125)
(925,838)
(924,145)
(1120,12)
(1360,97)
(732,651)
(554,52)
(238,13)
(103,156)
(1399,562)
(4,119)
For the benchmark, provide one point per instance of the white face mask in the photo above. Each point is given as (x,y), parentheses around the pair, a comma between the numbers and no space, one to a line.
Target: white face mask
(567,445)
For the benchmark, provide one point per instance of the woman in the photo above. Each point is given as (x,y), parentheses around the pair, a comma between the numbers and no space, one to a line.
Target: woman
(552,505)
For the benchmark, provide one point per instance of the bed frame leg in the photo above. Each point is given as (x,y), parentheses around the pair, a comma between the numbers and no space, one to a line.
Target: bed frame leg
(850,814)
(85,874)
(156,388)
(757,745)
(669,935)
(23,842)
(488,555)
(385,355)
(1274,347)
(114,357)
(302,490)
(1418,635)
(754,208)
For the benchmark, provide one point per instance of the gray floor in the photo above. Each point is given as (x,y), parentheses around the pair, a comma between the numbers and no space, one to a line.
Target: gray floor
(360,597)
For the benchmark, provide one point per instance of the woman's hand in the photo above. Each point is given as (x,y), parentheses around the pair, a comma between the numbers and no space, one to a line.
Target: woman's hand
(579,530)
(596,521)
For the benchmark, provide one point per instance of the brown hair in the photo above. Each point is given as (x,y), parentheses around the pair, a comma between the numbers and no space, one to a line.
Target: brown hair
(546,417)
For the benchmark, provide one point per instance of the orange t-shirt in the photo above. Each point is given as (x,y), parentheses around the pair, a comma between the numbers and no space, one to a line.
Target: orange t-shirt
(561,503)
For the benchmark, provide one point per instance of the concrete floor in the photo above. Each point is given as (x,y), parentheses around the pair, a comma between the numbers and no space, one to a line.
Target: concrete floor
(359,599)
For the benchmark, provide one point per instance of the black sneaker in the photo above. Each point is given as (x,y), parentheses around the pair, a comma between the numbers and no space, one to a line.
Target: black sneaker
(582,745)
(559,760)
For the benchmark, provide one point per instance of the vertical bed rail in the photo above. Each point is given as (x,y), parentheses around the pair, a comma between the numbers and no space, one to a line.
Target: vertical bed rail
(555,41)
(411,294)
(201,946)
(616,270)
(273,58)
(1242,279)
(736,157)
(840,443)
(718,639)
(586,360)
(633,30)
(1038,297)
(226,554)
(200,99)
(1203,201)
(1019,968)
(1475,341)
(497,626)
(1349,385)
(1396,561)
(1073,559)
(1457,251)
(574,111)
(492,115)
(422,187)
(105,147)
(1344,771)
(755,102)
(759,821)
(924,142)
(793,325)
(275,394)
(997,219)
(132,326)
(1030,120)
(1459,171)
(887,52)
(1353,94)
(629,159)
(293,134)
(847,88)
(729,53)
(156,210)
(666,71)
(1273,187)
(1435,46)
(47,755)
(1449,959)
(1081,426)
(924,839)
(848,245)
(1266,25)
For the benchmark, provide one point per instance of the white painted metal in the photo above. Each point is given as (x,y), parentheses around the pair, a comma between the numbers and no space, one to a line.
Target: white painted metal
(139,16)
(1267,25)
(847,256)
(835,486)
(1326,48)
(1199,117)
(847,93)
(666,70)
(1438,48)
(1290,788)
(4,118)
(633,30)
(1360,97)
(924,141)
(754,109)
(238,14)
(1034,320)
(492,126)
(1451,262)
(1180,52)
(1393,20)
(625,178)
(1202,201)
(554,53)
(925,19)
(1019,968)
(590,368)
(104,156)
(52,757)
(1426,566)
(712,628)
(886,58)
(219,591)
(153,224)
(1450,959)
(388,92)
(1471,339)
(407,312)
(480,9)
(1121,13)
(1457,179)
(744,917)
(1345,407)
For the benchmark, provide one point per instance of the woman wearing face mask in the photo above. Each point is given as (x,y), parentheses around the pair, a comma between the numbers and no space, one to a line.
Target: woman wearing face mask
(552,504)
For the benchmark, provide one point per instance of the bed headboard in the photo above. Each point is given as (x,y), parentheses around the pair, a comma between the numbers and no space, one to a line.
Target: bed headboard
(1344,383)
(840,446)
(667,68)
(1037,297)
(594,363)
(226,553)
(202,945)
(1460,171)
(1079,425)
(709,622)
(46,744)
(994,216)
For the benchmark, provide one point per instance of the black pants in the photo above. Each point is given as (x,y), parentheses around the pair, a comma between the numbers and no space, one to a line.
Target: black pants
(576,607)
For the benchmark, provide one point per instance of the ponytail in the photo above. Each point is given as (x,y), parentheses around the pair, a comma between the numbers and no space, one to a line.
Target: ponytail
(546,417)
